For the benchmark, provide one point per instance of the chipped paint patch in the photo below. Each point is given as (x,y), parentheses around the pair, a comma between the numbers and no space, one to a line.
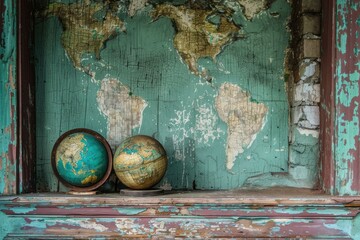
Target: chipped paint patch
(122,109)
(89,224)
(130,211)
(252,8)
(243,117)
(180,127)
(135,6)
(309,132)
(347,99)
(206,131)
(166,185)
(8,99)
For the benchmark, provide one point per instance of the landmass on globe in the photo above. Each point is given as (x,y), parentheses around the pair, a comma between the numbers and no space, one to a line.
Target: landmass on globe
(140,162)
(81,160)
(83,32)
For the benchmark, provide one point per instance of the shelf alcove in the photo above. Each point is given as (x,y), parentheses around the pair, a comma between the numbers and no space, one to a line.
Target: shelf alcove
(328,211)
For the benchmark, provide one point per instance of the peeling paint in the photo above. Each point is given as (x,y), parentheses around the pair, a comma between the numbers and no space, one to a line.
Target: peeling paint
(135,6)
(8,99)
(347,99)
(180,127)
(243,117)
(252,8)
(127,211)
(206,130)
(123,110)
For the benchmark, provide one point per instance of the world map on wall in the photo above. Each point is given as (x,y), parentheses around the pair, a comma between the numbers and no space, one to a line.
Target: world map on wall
(202,30)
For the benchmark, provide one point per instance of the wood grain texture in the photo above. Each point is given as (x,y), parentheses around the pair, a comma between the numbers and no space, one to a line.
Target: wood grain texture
(26,99)
(347,99)
(285,213)
(327,108)
(8,99)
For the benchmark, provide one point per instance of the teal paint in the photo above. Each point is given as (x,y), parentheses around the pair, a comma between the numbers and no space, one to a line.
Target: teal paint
(342,225)
(9,224)
(348,87)
(355,231)
(333,211)
(145,60)
(22,210)
(130,211)
(8,117)
(343,43)
(171,209)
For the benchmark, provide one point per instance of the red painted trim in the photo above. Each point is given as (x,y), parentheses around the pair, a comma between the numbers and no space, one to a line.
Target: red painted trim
(327,91)
(26,101)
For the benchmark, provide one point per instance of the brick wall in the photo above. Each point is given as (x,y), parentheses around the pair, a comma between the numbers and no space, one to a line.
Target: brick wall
(304,91)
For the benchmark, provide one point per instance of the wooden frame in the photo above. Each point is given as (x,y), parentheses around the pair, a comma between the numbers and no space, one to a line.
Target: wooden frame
(244,213)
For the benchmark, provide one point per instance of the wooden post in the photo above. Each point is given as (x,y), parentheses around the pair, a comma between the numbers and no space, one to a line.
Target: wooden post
(26,100)
(327,104)
(347,99)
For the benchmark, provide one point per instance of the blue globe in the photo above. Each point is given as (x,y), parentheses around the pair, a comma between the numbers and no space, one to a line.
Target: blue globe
(81,159)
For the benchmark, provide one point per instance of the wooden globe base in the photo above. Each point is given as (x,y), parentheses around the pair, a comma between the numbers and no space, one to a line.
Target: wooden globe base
(141,193)
(86,193)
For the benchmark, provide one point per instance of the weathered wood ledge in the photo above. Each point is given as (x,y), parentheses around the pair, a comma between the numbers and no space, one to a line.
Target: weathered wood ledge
(264,197)
(274,213)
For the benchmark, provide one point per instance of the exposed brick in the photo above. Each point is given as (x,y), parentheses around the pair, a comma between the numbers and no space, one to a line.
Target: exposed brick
(310,24)
(296,114)
(306,116)
(311,114)
(309,48)
(310,6)
(307,70)
(307,92)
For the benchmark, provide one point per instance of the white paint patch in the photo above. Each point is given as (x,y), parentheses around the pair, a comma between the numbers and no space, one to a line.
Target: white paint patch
(309,70)
(309,132)
(206,131)
(181,128)
(312,114)
(166,186)
(243,117)
(306,92)
(123,111)
(88,224)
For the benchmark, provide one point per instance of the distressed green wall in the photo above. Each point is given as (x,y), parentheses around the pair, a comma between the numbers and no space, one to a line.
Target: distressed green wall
(8,98)
(142,70)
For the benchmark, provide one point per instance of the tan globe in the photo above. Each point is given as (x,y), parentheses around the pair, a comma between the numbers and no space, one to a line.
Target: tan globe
(140,162)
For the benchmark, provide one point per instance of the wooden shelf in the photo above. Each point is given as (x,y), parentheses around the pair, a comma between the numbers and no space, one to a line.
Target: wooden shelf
(268,197)
(275,212)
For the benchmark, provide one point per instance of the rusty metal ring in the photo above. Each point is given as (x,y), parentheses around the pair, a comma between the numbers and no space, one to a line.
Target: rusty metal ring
(109,154)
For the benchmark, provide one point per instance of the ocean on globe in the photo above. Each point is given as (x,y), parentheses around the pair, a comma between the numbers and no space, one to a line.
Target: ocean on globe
(140,162)
(80,159)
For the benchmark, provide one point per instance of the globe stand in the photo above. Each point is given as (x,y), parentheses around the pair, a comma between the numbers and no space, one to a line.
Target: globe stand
(142,192)
(87,193)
